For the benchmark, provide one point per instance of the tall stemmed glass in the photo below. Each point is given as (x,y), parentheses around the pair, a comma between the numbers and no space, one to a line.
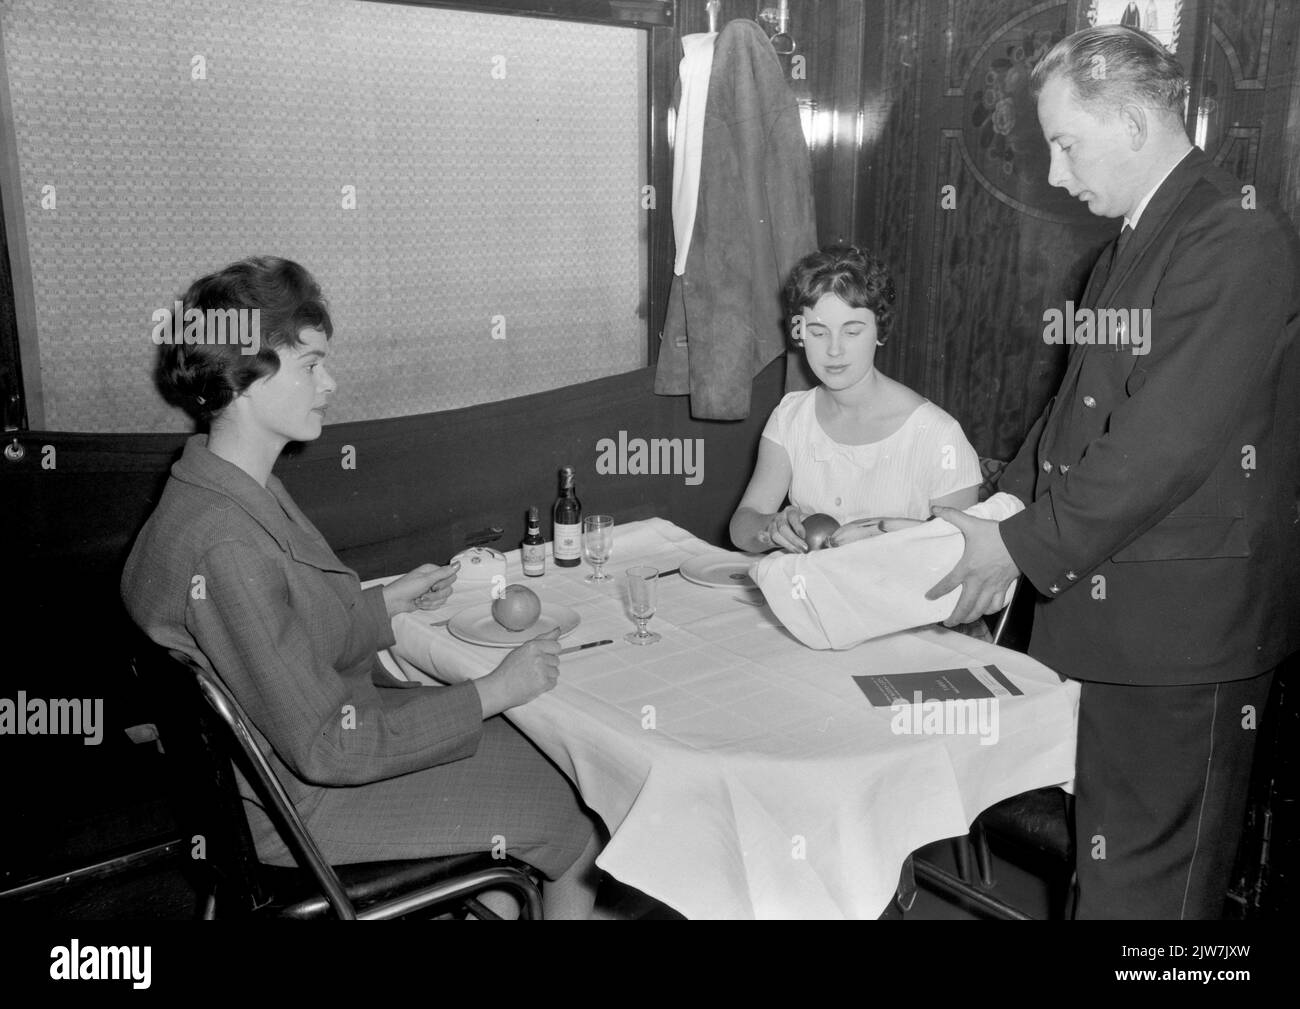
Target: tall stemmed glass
(597,543)
(641,584)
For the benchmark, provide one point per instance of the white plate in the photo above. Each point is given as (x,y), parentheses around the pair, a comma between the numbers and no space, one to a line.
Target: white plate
(720,571)
(476,625)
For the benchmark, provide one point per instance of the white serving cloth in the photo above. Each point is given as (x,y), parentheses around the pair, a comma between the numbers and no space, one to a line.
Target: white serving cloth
(841,597)
(688,139)
(740,774)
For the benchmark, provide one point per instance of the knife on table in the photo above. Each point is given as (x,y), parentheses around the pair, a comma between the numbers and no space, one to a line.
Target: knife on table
(589,644)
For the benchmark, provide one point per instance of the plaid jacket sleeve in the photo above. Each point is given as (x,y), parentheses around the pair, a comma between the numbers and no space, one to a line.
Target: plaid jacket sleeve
(330,727)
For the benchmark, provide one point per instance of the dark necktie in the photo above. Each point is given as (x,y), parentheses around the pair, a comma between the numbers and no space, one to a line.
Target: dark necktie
(1116,251)
(1121,245)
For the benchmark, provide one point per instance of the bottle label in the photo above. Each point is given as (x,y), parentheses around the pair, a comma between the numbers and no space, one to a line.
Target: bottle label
(534,558)
(568,542)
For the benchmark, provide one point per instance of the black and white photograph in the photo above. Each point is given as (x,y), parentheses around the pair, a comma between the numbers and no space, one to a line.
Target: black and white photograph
(649,460)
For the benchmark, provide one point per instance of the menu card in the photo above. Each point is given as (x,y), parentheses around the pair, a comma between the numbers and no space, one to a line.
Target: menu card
(888,689)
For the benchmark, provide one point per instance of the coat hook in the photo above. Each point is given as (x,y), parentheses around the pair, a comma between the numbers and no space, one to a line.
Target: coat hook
(778,20)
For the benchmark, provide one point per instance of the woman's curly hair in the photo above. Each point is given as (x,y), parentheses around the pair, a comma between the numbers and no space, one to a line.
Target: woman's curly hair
(856,276)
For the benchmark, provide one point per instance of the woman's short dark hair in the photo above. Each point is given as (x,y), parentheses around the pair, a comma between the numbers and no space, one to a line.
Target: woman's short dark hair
(857,277)
(203,377)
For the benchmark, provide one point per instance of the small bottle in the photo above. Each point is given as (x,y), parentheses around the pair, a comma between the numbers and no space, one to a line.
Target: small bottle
(533,553)
(567,516)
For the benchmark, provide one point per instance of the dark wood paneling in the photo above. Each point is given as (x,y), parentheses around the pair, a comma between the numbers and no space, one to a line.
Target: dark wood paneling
(421,484)
(1245,83)
(944,101)
(1283,109)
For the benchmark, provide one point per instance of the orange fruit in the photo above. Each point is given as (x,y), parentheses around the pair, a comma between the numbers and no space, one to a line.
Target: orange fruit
(517,608)
(817,528)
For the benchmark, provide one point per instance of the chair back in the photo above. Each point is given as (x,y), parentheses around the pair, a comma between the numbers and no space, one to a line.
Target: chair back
(208,734)
(204,790)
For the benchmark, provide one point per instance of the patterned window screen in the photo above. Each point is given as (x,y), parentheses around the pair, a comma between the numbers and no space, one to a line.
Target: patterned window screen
(464,186)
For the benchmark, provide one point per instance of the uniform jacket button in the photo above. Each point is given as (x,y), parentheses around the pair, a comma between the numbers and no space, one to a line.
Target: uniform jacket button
(1089,402)
(1047,466)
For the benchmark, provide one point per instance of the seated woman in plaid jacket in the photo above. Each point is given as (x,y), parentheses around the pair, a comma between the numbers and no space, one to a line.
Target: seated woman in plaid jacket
(230,571)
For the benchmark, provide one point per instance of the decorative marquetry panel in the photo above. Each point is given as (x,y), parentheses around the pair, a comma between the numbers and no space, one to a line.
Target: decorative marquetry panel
(949,92)
(1243,30)
(977,263)
(895,108)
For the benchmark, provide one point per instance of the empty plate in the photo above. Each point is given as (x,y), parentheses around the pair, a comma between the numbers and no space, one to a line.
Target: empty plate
(720,571)
(476,625)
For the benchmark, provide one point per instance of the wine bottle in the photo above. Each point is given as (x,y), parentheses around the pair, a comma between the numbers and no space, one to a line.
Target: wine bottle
(567,516)
(533,552)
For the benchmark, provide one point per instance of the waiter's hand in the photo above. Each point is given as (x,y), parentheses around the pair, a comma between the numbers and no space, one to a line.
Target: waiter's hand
(984,572)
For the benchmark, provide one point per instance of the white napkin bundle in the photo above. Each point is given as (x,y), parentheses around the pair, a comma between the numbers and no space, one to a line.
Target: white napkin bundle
(841,597)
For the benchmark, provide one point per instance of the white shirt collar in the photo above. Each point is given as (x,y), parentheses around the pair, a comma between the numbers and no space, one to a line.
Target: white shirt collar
(1132,221)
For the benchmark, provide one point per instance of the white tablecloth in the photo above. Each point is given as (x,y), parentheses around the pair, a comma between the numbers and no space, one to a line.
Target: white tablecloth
(741,774)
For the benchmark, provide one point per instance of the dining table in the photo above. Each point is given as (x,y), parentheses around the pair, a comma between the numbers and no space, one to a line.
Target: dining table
(741,774)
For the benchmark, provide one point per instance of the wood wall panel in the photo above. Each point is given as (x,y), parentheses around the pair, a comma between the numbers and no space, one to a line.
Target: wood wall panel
(973,278)
(895,198)
(971,25)
(949,80)
(1247,76)
(1244,31)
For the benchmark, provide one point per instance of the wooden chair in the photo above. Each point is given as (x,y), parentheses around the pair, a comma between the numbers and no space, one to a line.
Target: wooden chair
(204,733)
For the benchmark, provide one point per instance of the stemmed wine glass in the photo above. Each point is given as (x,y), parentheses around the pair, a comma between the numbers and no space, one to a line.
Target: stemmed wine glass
(641,583)
(597,543)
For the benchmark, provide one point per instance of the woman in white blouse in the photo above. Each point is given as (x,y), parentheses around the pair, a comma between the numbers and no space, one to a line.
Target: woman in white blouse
(860,446)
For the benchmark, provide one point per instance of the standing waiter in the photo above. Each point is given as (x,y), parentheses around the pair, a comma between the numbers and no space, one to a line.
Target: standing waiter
(1161,525)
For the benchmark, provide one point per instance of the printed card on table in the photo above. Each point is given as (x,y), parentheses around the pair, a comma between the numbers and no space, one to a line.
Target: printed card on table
(961,684)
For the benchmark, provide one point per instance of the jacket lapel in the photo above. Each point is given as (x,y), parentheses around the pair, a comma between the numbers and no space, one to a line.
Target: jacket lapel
(1104,285)
(306,544)
(269,506)
(1158,211)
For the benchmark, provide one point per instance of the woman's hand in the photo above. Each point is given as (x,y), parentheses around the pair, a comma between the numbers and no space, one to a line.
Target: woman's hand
(425,588)
(765,494)
(528,671)
(785,530)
